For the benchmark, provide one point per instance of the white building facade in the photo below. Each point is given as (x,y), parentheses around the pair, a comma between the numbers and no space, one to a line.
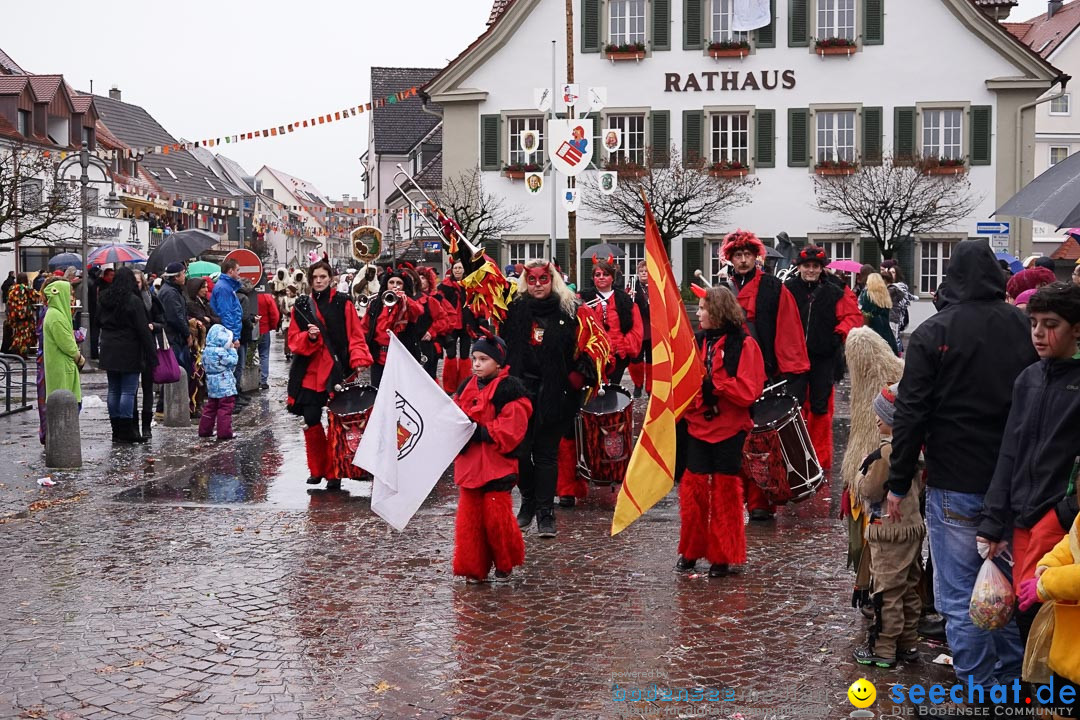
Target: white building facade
(934,77)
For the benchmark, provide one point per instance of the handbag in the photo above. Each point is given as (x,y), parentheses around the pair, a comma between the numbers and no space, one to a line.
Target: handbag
(167,370)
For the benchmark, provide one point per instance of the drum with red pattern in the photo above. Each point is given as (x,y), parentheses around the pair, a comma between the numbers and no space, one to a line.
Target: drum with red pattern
(605,428)
(778,456)
(347,416)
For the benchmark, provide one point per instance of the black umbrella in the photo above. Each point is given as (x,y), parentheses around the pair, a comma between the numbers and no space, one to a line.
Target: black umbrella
(1053,197)
(180,247)
(602,251)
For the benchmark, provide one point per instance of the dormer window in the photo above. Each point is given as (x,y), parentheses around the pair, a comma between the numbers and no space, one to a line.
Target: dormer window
(24,123)
(172,174)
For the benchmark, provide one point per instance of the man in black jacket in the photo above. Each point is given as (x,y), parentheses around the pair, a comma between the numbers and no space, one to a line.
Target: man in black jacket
(954,398)
(173,302)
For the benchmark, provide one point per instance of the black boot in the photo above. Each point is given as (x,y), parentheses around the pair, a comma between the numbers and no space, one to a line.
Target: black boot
(147,420)
(133,431)
(117,436)
(526,513)
(545,523)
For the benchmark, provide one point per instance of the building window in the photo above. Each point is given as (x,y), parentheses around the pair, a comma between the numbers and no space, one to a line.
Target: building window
(627,264)
(626,22)
(516,126)
(730,138)
(24,123)
(836,19)
(942,134)
(88,137)
(934,263)
(721,17)
(838,250)
(633,138)
(1057,154)
(835,136)
(1061,105)
(522,252)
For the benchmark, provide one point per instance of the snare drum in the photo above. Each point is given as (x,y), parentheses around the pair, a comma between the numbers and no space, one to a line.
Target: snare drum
(604,430)
(779,456)
(347,416)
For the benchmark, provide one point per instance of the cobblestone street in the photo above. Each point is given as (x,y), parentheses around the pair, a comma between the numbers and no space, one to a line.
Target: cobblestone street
(190,578)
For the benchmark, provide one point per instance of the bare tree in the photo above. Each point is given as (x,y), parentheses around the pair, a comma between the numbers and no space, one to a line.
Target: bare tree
(483,217)
(684,196)
(892,202)
(32,207)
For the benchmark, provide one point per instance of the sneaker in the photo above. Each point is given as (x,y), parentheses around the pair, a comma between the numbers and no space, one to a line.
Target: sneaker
(526,514)
(637,391)
(545,524)
(761,515)
(684,565)
(567,501)
(719,570)
(865,656)
(911,655)
(502,577)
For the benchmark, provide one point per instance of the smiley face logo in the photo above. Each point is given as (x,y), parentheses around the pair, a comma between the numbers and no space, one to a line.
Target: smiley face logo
(862,693)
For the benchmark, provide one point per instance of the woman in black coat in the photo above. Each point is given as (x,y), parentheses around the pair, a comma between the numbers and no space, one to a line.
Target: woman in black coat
(127,347)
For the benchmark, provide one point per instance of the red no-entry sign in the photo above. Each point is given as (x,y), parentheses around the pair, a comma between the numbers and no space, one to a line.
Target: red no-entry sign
(251,266)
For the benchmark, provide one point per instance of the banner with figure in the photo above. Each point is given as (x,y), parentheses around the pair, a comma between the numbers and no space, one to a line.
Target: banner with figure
(414,433)
(677,376)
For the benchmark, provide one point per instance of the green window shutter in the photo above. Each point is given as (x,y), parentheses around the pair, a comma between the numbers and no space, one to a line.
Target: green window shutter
(766,36)
(560,255)
(693,136)
(905,255)
(869,252)
(982,131)
(490,151)
(904,133)
(798,145)
(873,22)
(585,267)
(693,258)
(491,247)
(590,26)
(597,128)
(798,23)
(693,24)
(872,134)
(764,138)
(661,24)
(660,137)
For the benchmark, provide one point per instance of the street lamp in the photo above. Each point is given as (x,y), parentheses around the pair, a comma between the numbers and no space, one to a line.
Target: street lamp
(111,206)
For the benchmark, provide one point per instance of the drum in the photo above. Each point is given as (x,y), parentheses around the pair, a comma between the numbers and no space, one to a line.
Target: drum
(604,430)
(779,456)
(348,415)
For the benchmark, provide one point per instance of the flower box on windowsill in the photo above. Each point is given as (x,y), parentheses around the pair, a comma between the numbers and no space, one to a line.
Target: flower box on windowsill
(628,170)
(729,172)
(514,174)
(720,53)
(946,170)
(836,169)
(619,55)
(835,46)
(842,50)
(518,171)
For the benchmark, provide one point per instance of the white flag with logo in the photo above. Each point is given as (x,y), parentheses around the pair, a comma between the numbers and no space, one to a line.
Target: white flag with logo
(750,15)
(414,433)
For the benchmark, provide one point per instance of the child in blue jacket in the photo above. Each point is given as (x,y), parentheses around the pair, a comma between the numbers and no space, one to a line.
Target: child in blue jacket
(219,360)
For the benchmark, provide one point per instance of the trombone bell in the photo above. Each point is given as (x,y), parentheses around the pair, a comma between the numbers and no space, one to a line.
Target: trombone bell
(405,184)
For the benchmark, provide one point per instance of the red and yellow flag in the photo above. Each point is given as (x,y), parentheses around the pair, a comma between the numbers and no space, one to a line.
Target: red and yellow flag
(676,375)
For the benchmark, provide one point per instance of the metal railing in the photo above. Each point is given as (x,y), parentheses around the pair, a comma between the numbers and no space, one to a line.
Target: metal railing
(10,366)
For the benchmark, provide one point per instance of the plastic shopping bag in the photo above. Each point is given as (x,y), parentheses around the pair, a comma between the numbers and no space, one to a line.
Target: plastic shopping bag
(1038,647)
(993,599)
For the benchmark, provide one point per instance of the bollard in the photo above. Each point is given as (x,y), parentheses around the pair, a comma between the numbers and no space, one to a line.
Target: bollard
(177,402)
(249,379)
(63,444)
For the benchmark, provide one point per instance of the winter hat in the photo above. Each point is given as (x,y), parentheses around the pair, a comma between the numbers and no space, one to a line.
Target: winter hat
(885,403)
(812,253)
(174,268)
(494,347)
(742,240)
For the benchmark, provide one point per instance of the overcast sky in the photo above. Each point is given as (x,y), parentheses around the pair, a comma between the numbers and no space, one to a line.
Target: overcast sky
(212,68)
(209,68)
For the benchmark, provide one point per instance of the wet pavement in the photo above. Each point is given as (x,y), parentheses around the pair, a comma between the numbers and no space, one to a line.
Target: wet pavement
(194,578)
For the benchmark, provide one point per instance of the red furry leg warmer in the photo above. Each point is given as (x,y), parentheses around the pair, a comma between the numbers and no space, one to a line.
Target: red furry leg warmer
(315,445)
(449,374)
(727,534)
(503,534)
(755,498)
(568,482)
(821,435)
(472,557)
(637,373)
(694,513)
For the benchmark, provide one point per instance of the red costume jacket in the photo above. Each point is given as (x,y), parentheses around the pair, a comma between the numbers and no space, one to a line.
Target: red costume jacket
(624,344)
(387,316)
(318,370)
(268,312)
(441,322)
(733,393)
(502,410)
(454,292)
(787,341)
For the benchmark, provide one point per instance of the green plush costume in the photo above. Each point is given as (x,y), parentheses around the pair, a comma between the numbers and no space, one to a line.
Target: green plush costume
(61,351)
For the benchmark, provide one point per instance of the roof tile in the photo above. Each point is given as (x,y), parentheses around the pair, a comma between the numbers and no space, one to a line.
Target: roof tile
(1043,35)
(399,126)
(45,86)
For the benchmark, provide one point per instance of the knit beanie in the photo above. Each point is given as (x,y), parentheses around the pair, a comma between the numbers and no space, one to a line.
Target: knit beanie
(885,404)
(494,347)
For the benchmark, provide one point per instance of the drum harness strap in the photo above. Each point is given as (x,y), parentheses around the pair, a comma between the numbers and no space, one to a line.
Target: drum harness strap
(730,356)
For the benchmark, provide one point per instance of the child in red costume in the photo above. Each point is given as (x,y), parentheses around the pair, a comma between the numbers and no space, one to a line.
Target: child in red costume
(486,532)
(710,494)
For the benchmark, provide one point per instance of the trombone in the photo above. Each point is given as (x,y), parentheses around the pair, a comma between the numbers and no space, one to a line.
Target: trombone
(402,180)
